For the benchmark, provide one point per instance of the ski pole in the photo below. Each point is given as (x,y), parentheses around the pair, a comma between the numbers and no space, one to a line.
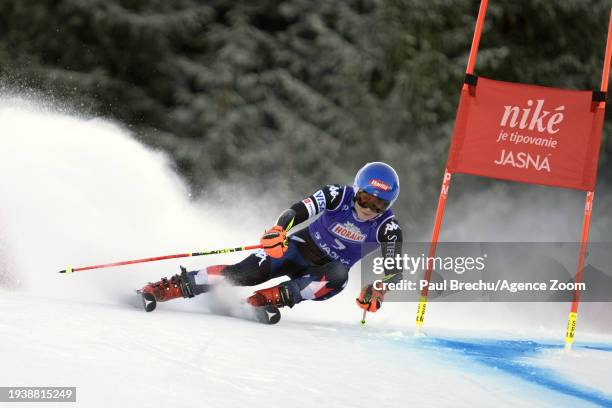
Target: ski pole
(386,278)
(363,320)
(159,258)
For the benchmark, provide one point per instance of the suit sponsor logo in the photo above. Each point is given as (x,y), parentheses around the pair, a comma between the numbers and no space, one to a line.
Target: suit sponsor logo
(261,254)
(333,254)
(334,192)
(391,226)
(320,198)
(310,206)
(348,231)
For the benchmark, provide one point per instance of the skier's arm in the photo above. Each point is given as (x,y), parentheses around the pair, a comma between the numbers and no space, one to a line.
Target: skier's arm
(328,197)
(292,216)
(274,241)
(390,238)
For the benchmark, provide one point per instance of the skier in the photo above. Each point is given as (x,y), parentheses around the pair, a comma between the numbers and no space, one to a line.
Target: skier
(316,258)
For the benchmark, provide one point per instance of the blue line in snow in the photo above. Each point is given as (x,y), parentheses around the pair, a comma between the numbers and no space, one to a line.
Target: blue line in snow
(506,355)
(597,347)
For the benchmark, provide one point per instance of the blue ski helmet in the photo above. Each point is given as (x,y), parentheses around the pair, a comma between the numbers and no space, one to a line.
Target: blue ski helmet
(378,179)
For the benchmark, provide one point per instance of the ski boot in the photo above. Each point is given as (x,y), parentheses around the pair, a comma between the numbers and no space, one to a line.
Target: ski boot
(166,289)
(265,303)
(277,296)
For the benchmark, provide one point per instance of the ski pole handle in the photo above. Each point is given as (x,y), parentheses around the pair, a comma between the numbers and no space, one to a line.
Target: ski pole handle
(159,258)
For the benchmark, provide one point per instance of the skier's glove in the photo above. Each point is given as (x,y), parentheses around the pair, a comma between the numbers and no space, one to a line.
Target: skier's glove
(370,299)
(274,241)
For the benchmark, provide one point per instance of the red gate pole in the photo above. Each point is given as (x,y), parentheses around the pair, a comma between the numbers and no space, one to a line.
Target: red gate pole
(588,207)
(586,222)
(420,316)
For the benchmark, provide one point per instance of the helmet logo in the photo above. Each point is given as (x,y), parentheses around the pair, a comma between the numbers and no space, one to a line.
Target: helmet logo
(380,185)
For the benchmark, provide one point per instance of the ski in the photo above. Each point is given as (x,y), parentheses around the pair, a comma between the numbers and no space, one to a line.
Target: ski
(264,314)
(148,301)
(267,314)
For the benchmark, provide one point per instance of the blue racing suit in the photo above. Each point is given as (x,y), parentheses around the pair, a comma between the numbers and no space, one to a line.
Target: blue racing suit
(319,256)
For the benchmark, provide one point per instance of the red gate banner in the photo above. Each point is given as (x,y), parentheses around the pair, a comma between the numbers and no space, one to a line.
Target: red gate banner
(527,133)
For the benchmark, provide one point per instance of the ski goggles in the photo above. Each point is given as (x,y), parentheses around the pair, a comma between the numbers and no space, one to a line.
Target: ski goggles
(370,202)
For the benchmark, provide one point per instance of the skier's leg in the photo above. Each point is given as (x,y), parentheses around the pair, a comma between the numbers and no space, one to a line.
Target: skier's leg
(253,270)
(319,283)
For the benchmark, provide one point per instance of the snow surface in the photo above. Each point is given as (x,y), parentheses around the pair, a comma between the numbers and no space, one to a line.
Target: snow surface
(76,191)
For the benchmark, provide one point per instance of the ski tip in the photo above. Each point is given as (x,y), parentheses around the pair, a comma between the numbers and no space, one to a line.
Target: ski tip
(66,271)
(267,314)
(148,301)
